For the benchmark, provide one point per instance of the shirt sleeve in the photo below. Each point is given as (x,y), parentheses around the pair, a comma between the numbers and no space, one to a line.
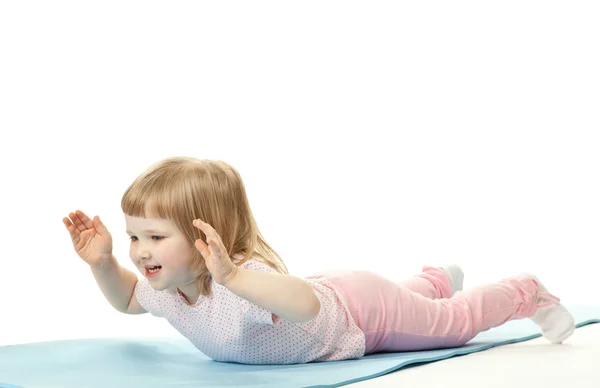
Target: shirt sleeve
(326,318)
(252,311)
(147,297)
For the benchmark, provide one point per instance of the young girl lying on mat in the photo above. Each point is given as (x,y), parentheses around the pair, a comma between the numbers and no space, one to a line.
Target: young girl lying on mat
(207,269)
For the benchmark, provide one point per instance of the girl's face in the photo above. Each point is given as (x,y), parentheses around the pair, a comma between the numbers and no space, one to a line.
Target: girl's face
(160,252)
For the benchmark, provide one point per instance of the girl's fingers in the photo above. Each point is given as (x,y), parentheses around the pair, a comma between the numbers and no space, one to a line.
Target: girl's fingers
(204,227)
(81,221)
(67,222)
(70,227)
(85,219)
(100,228)
(212,244)
(201,225)
(73,231)
(207,229)
(218,250)
(77,222)
(202,248)
(206,250)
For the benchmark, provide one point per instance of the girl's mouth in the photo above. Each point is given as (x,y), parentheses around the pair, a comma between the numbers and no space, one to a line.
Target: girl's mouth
(152,271)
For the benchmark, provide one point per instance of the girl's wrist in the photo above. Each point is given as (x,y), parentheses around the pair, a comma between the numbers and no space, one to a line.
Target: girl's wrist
(230,278)
(103,263)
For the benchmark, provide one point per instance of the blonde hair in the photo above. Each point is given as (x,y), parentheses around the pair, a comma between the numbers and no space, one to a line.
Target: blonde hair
(182,189)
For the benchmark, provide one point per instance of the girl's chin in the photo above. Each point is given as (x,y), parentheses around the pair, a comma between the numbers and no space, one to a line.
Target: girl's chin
(158,286)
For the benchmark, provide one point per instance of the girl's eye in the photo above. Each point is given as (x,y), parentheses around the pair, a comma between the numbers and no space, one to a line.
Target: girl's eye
(133,238)
(157,238)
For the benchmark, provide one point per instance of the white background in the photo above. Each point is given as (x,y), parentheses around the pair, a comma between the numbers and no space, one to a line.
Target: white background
(371,135)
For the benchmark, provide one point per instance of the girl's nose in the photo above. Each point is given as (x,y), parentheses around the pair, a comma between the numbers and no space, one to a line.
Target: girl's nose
(143,254)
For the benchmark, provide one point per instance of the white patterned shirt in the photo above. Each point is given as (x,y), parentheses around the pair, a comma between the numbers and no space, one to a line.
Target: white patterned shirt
(229,328)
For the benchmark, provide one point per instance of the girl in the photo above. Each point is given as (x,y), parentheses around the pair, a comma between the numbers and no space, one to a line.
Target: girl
(209,272)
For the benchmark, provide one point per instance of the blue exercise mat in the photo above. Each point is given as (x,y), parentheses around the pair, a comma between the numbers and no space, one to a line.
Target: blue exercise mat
(150,363)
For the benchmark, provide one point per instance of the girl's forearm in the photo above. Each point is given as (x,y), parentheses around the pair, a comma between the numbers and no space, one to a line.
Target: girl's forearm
(286,296)
(116,283)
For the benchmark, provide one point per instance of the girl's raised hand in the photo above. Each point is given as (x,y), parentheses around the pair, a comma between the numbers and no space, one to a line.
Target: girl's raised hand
(91,239)
(217,259)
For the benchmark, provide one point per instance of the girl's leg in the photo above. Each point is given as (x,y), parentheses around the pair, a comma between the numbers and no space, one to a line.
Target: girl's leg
(394,318)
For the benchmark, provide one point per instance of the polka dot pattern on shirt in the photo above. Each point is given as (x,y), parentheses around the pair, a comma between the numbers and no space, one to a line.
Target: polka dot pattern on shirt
(226,327)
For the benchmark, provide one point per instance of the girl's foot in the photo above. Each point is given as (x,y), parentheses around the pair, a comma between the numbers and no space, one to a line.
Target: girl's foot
(555,320)
(455,276)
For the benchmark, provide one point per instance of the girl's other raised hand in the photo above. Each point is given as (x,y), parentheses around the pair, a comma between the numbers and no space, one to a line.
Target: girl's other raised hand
(91,239)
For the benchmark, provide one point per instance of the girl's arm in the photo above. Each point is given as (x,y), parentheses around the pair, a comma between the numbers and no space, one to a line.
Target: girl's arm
(286,296)
(117,285)
(93,243)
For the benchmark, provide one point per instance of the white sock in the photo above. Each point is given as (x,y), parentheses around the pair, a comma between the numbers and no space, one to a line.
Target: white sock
(455,276)
(556,321)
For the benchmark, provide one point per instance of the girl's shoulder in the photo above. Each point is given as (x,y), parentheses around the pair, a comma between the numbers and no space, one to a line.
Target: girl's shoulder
(253,263)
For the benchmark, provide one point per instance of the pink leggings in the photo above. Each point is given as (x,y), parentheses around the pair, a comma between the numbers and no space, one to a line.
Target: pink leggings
(420,313)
